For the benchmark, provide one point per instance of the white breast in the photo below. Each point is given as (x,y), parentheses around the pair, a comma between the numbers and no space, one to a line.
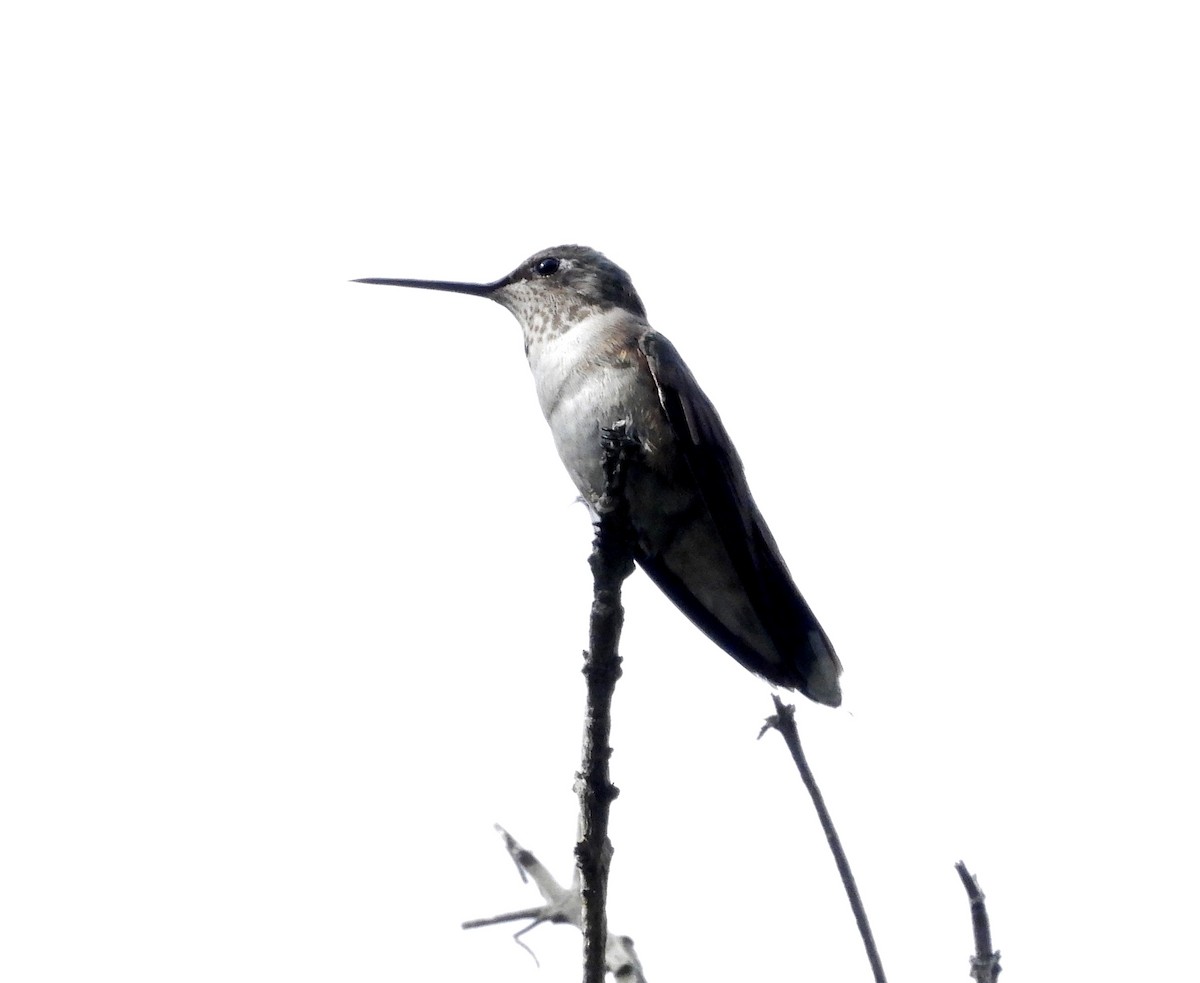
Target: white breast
(582,388)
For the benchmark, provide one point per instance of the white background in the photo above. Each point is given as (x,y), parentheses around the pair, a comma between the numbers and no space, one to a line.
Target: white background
(295,589)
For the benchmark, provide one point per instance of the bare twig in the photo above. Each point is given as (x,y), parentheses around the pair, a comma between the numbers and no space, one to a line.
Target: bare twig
(611,562)
(784,721)
(563,906)
(538,915)
(985,964)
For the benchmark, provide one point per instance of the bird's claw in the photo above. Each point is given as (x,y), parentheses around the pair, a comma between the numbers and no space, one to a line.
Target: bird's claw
(618,437)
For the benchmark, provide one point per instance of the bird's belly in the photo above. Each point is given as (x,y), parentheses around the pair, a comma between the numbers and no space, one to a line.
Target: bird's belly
(668,514)
(675,531)
(602,401)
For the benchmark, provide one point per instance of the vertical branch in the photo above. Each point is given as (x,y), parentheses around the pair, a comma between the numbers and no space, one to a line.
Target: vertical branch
(611,562)
(784,721)
(985,964)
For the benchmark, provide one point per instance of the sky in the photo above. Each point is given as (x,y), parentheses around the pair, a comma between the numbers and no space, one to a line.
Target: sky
(295,588)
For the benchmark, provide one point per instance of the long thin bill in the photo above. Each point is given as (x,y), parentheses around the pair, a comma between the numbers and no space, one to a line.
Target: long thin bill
(477,289)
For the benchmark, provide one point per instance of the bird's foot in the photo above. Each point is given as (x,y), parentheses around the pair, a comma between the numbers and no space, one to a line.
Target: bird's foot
(618,446)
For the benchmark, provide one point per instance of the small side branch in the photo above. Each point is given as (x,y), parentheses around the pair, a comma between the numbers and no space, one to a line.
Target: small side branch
(784,721)
(611,562)
(563,905)
(985,964)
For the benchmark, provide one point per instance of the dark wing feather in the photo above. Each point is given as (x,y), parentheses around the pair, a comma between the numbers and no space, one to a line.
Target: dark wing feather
(717,469)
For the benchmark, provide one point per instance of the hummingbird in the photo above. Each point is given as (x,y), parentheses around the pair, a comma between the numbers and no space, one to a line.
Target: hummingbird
(697,532)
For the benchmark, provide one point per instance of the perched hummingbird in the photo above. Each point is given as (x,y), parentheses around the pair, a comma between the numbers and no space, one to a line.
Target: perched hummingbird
(597,362)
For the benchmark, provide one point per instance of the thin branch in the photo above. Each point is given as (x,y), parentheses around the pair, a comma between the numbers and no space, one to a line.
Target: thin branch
(784,721)
(611,562)
(985,964)
(537,914)
(583,905)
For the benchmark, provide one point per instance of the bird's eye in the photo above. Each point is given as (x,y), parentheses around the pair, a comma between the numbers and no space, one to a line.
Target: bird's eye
(547,267)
